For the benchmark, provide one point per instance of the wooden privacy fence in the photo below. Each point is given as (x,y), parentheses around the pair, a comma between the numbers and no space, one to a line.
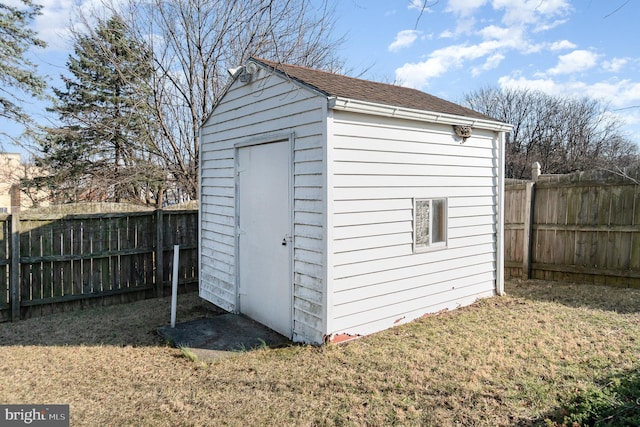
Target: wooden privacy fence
(55,262)
(582,227)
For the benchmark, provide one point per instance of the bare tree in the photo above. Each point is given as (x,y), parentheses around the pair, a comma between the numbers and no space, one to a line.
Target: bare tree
(563,134)
(194,42)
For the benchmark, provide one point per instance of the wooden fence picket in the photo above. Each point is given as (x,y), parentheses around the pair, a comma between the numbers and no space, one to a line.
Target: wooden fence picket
(584,227)
(5,238)
(52,262)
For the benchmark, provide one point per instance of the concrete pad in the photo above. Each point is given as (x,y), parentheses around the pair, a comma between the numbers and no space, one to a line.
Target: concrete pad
(221,336)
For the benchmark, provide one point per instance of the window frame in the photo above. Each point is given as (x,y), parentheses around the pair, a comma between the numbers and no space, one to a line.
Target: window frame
(444,214)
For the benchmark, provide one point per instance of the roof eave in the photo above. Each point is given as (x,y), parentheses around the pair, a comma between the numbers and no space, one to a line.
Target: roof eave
(367,107)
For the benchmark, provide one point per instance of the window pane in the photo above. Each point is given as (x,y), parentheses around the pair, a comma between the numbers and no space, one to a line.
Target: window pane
(422,222)
(439,220)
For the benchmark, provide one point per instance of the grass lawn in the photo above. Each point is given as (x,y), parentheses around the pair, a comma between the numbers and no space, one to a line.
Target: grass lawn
(543,352)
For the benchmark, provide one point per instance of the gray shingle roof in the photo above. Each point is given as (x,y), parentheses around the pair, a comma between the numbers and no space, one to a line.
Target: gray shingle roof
(332,84)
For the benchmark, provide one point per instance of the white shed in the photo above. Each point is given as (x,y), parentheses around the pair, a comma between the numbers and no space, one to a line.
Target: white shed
(333,207)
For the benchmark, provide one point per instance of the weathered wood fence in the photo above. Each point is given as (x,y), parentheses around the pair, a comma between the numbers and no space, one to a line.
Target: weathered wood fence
(58,262)
(582,227)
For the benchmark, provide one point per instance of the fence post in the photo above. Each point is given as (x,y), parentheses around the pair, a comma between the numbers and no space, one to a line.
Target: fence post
(535,171)
(14,278)
(159,254)
(529,202)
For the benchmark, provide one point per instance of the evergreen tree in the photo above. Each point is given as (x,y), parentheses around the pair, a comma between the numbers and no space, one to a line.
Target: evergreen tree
(101,150)
(17,74)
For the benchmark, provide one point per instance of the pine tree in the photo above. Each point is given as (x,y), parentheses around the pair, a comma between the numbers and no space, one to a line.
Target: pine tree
(101,150)
(17,74)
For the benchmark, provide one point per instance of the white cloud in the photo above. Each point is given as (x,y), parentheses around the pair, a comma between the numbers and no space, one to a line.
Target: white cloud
(531,16)
(447,34)
(59,17)
(542,85)
(539,12)
(615,65)
(465,8)
(465,25)
(576,61)
(417,75)
(404,38)
(54,23)
(519,20)
(617,93)
(562,45)
(546,26)
(492,62)
(495,32)
(512,37)
(417,4)
(496,42)
(492,32)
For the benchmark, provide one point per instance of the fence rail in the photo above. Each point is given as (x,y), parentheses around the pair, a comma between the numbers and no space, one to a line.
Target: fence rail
(55,262)
(579,227)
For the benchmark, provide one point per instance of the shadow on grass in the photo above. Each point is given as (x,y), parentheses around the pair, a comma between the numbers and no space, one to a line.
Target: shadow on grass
(612,402)
(620,300)
(132,324)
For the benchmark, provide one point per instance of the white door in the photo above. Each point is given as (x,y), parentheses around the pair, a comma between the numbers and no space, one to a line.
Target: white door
(264,242)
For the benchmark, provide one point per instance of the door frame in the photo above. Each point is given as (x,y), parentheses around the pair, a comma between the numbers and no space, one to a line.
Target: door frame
(267,138)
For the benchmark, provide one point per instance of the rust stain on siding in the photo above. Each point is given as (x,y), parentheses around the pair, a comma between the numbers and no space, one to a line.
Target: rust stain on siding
(338,338)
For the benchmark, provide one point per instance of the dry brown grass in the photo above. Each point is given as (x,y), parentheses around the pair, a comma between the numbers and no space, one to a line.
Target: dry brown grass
(502,361)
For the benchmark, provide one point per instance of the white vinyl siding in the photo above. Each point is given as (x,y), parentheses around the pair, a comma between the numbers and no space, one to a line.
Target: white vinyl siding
(268,106)
(356,177)
(380,166)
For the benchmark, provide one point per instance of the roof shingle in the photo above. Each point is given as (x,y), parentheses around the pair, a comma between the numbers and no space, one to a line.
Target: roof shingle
(332,84)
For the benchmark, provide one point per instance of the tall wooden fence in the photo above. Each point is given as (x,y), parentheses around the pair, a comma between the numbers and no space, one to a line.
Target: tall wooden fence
(56,262)
(582,227)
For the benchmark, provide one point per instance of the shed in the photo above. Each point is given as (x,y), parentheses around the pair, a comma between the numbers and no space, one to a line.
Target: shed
(333,207)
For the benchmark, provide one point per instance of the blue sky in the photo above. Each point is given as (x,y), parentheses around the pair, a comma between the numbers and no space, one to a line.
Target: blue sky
(562,47)
(573,48)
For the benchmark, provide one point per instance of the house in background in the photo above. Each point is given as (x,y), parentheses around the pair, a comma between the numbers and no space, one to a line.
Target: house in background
(334,207)
(13,197)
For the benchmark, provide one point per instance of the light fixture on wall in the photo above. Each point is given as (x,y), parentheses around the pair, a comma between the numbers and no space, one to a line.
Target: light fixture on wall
(248,71)
(462,131)
(245,77)
(233,71)
(244,73)
(251,68)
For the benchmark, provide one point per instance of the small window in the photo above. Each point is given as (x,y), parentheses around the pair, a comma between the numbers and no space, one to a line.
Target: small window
(4,210)
(429,223)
